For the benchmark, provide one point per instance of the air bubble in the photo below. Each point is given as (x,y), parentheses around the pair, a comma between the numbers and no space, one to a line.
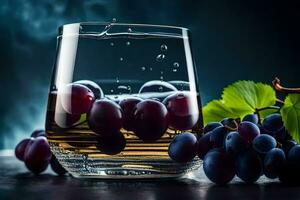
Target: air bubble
(114,20)
(150,68)
(129,30)
(176,64)
(112,44)
(143,68)
(161,72)
(163,47)
(160,57)
(117,80)
(174,70)
(112,91)
(121,59)
(160,88)
(161,78)
(127,43)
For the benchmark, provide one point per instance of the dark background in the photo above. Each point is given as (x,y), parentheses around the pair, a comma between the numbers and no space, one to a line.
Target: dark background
(232,40)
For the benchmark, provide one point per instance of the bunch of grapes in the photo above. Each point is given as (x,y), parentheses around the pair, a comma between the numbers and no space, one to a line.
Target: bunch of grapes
(249,149)
(36,154)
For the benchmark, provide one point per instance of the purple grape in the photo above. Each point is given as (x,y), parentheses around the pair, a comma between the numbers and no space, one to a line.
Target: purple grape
(264,143)
(274,162)
(229,122)
(211,126)
(38,132)
(248,166)
(204,145)
(219,167)
(37,155)
(157,86)
(105,117)
(251,118)
(76,99)
(94,87)
(248,131)
(282,135)
(273,122)
(294,156)
(112,144)
(151,120)
(21,147)
(128,105)
(183,147)
(56,166)
(287,145)
(217,136)
(182,113)
(235,144)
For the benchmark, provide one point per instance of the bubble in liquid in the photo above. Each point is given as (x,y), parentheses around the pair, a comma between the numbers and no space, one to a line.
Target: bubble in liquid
(160,88)
(123,89)
(127,43)
(161,78)
(114,20)
(163,47)
(176,64)
(121,59)
(174,70)
(150,68)
(112,91)
(112,44)
(143,68)
(117,80)
(160,57)
(129,30)
(161,72)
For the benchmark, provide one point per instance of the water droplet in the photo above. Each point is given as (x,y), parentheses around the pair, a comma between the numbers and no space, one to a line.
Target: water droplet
(163,47)
(151,68)
(112,44)
(176,64)
(161,72)
(121,58)
(127,43)
(161,78)
(143,68)
(160,57)
(160,88)
(117,80)
(114,20)
(111,91)
(129,30)
(174,70)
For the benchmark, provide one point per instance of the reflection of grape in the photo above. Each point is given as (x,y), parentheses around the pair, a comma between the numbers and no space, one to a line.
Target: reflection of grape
(182,113)
(151,120)
(97,91)
(76,98)
(37,155)
(218,166)
(128,105)
(183,147)
(105,117)
(56,166)
(113,144)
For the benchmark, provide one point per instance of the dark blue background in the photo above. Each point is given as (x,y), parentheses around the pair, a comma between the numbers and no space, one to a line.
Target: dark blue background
(232,40)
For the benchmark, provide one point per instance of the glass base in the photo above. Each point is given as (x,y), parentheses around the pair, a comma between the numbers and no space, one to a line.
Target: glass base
(83,166)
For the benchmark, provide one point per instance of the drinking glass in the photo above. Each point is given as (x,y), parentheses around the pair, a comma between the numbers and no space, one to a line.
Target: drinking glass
(119,95)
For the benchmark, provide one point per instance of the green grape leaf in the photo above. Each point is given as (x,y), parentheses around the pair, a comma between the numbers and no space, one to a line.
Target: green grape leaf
(239,99)
(290,113)
(217,110)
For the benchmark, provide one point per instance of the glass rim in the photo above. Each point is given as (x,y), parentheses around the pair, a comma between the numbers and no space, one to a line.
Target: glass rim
(74,26)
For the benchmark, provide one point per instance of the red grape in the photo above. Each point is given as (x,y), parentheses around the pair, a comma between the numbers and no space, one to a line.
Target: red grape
(105,117)
(37,155)
(21,147)
(128,105)
(76,98)
(97,91)
(183,113)
(151,120)
(113,144)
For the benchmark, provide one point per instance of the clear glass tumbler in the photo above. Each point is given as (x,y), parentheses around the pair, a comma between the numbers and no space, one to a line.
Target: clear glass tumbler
(119,95)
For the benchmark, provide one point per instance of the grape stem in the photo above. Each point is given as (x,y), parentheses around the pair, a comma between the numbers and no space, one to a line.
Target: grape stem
(278,87)
(257,110)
